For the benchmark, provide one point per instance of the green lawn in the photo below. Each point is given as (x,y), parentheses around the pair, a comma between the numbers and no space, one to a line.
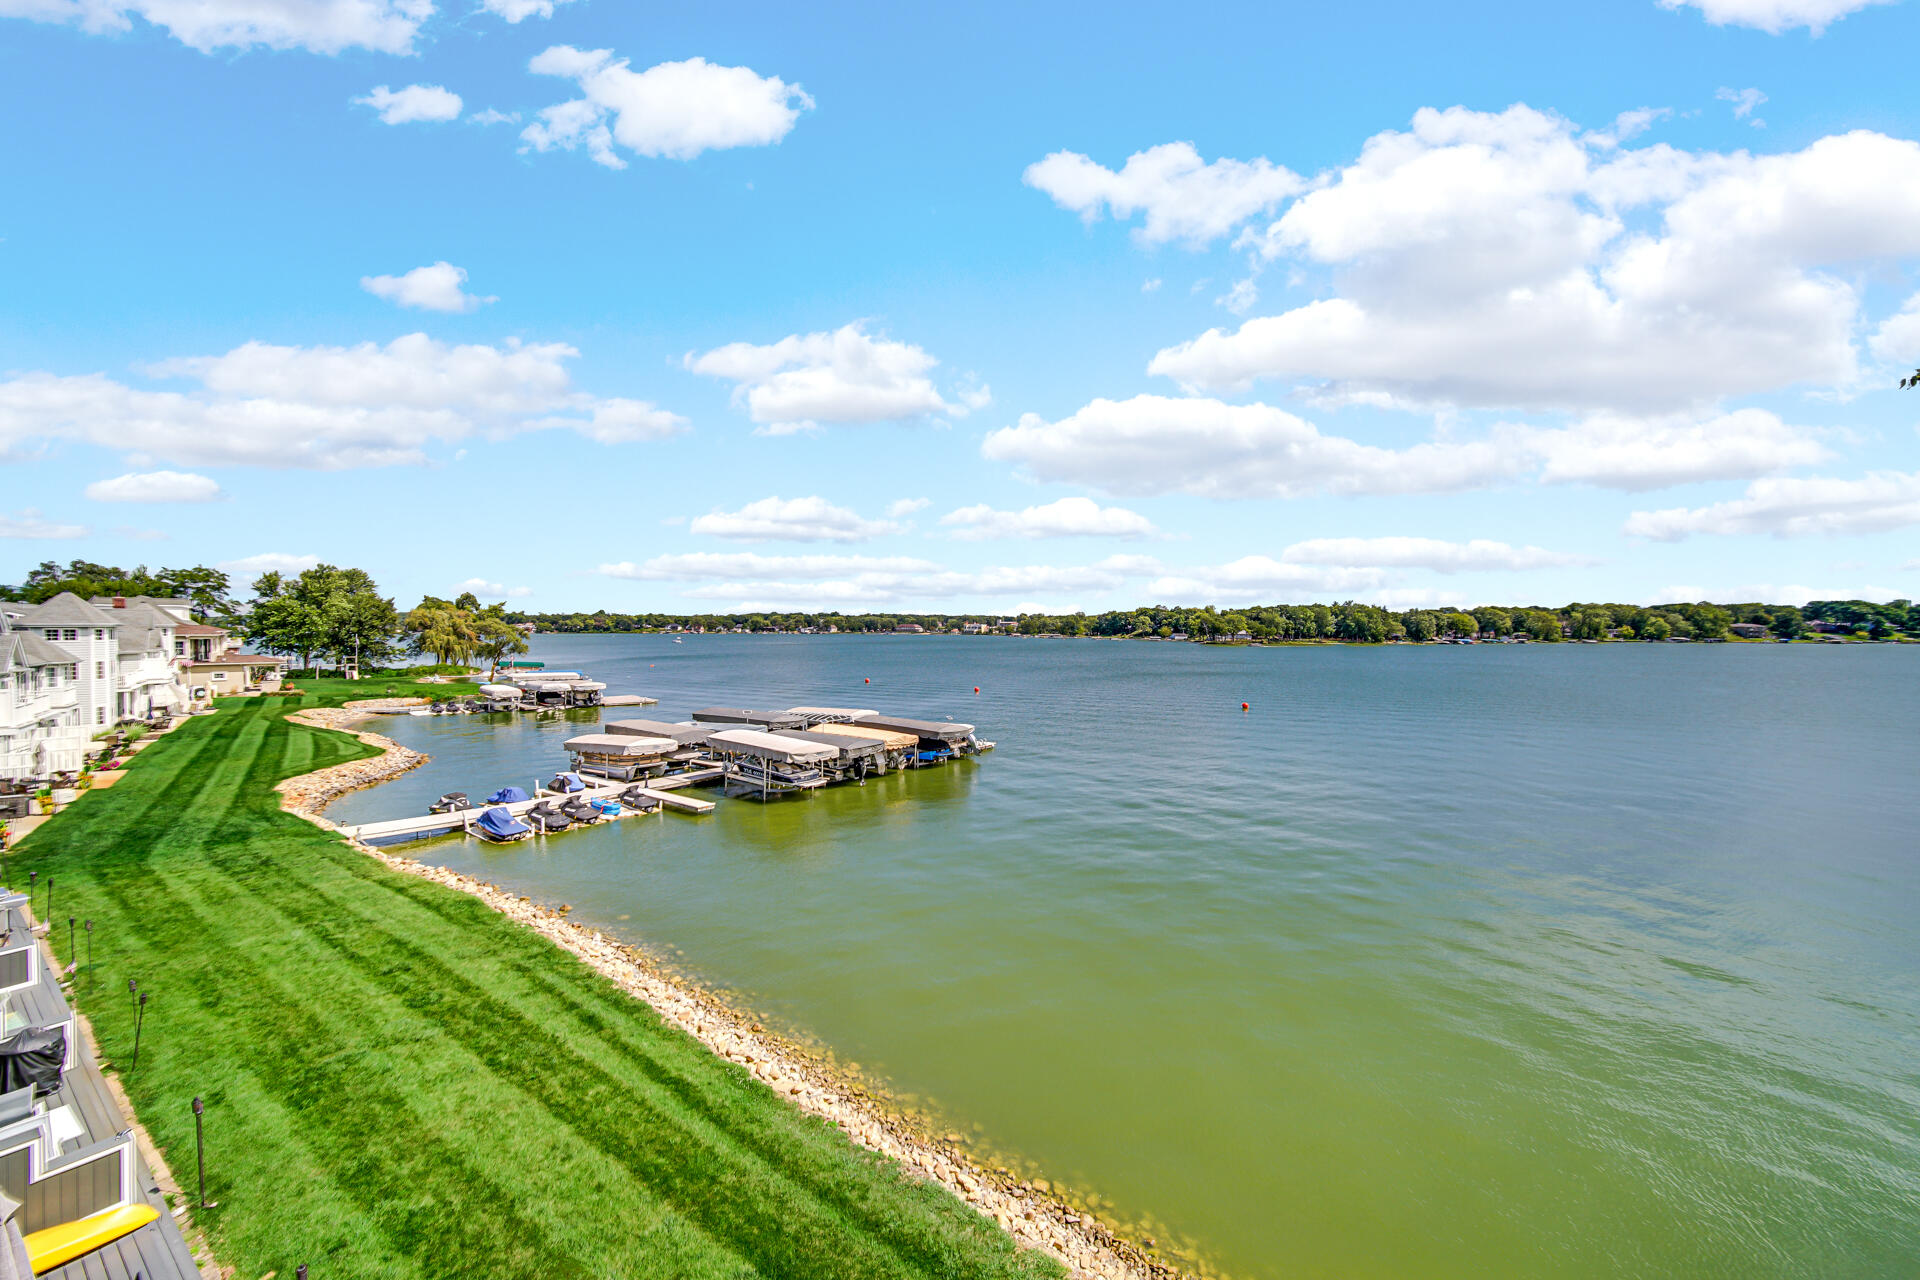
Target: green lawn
(400,1083)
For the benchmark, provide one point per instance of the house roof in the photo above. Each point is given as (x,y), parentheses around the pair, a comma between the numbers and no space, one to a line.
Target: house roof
(66,610)
(35,652)
(198,629)
(240,660)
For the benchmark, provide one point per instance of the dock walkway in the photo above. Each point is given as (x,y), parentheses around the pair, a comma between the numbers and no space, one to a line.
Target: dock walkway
(428,825)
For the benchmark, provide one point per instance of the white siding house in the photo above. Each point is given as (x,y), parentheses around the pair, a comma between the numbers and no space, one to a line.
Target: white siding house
(40,729)
(91,640)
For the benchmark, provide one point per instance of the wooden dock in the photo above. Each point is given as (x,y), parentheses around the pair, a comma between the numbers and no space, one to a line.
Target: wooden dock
(425,826)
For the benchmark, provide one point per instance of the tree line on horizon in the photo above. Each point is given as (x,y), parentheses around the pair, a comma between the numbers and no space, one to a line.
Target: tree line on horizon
(340,613)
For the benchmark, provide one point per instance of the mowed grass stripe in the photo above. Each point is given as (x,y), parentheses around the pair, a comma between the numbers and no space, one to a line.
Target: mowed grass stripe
(401,1029)
(603,1030)
(762,1214)
(372,1147)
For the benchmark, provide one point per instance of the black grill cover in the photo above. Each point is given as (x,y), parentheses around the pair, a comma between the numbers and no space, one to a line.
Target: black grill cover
(34,1057)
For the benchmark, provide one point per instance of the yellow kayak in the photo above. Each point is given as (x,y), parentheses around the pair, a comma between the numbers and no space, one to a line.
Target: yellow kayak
(57,1246)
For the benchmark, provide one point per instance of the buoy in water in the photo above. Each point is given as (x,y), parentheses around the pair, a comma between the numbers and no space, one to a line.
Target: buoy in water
(976,688)
(1245,707)
(869,679)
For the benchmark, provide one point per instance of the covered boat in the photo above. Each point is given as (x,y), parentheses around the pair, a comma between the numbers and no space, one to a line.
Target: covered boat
(621,756)
(688,735)
(898,748)
(499,825)
(567,783)
(760,719)
(771,763)
(934,735)
(508,795)
(855,758)
(585,693)
(831,715)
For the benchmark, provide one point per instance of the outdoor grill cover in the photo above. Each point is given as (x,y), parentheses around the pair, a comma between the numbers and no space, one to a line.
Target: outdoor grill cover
(34,1057)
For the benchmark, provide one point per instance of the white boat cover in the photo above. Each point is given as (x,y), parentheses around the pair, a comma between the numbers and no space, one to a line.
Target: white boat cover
(849,748)
(681,733)
(587,686)
(770,746)
(826,714)
(501,690)
(620,744)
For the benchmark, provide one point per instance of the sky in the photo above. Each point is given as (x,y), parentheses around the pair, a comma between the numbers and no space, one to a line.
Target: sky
(995,308)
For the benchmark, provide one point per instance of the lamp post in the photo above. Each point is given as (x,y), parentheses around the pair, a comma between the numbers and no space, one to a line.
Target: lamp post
(200,1150)
(139,1021)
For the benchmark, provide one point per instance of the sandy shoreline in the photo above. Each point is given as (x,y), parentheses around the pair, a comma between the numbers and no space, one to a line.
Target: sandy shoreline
(1026,1210)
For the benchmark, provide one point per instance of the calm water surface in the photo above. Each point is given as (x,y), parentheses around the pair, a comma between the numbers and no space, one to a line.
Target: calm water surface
(1561,960)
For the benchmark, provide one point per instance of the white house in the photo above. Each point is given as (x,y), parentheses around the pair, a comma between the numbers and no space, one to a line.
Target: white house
(122,648)
(91,641)
(41,732)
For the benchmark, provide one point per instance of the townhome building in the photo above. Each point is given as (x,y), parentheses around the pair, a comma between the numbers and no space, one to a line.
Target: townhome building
(91,641)
(41,732)
(149,682)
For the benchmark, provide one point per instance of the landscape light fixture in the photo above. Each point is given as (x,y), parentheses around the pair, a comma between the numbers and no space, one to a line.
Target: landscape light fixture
(300,1272)
(200,1145)
(139,1021)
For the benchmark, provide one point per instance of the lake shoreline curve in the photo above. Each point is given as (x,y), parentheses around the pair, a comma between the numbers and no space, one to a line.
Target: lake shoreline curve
(1033,1215)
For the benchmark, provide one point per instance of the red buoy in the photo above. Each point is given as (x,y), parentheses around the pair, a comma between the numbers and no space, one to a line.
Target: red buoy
(1245,707)
(976,688)
(869,679)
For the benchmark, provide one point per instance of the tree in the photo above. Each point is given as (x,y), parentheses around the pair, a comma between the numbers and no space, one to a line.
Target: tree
(326,610)
(443,629)
(1655,628)
(1461,624)
(1420,625)
(495,638)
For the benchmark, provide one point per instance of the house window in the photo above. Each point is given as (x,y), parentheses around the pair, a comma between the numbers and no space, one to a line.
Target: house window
(71,634)
(53,677)
(98,634)
(179,648)
(99,671)
(99,715)
(53,633)
(218,675)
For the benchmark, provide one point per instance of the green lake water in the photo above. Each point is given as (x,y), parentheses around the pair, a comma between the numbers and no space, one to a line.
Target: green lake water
(1564,960)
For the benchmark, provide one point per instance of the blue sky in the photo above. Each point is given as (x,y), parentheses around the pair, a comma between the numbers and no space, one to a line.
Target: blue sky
(985,309)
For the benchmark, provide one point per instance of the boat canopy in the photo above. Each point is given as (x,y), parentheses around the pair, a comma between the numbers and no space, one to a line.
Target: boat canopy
(887,738)
(829,715)
(507,795)
(770,746)
(587,686)
(938,730)
(620,744)
(501,690)
(766,719)
(540,677)
(850,749)
(687,735)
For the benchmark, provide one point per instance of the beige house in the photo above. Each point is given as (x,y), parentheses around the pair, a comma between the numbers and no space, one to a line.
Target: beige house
(213,666)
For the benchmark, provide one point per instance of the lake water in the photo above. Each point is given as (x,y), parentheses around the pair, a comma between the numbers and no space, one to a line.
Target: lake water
(1566,960)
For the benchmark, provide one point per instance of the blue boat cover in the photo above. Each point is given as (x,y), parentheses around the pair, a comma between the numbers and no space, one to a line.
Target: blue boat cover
(507,795)
(567,783)
(501,823)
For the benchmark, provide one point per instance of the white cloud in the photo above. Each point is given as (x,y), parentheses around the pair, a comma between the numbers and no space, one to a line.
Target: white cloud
(1795,507)
(322,407)
(1258,577)
(1744,102)
(322,26)
(1509,261)
(1638,454)
(413,104)
(675,109)
(1909,566)
(435,288)
(792,520)
(1159,444)
(1425,553)
(1240,298)
(493,115)
(155,486)
(1774,16)
(491,590)
(520,10)
(1183,197)
(1162,444)
(268,562)
(1151,285)
(1631,124)
(907,506)
(844,377)
(1067,518)
(28,524)
(1898,338)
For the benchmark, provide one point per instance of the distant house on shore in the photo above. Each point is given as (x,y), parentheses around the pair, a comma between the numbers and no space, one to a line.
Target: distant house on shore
(1749,630)
(910,629)
(976,629)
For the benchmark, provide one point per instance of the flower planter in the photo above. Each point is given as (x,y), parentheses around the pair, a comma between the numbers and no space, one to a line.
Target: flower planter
(65,795)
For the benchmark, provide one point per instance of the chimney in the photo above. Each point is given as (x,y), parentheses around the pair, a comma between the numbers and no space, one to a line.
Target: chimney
(119,602)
